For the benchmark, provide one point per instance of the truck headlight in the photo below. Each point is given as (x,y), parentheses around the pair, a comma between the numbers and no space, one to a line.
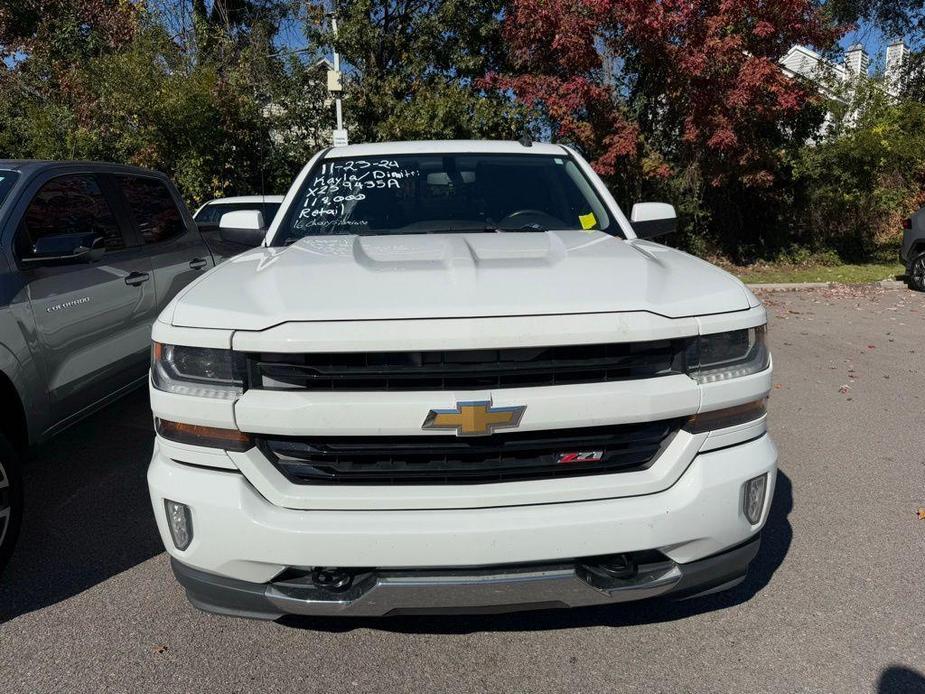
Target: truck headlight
(721,356)
(200,371)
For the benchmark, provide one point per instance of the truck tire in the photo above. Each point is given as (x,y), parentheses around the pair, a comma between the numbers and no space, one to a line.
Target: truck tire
(11,500)
(915,275)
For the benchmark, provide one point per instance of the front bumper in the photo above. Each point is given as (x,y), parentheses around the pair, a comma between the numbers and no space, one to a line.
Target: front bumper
(500,589)
(243,545)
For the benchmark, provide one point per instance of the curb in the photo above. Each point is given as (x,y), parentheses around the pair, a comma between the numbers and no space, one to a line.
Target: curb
(788,286)
(797,286)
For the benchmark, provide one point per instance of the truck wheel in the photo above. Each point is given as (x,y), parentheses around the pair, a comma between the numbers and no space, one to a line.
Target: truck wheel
(10,500)
(916,273)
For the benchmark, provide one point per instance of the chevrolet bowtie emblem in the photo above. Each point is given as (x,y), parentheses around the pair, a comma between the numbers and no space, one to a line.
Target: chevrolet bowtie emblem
(475,418)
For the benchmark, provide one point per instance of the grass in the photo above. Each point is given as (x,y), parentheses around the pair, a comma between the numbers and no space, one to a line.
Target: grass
(844,274)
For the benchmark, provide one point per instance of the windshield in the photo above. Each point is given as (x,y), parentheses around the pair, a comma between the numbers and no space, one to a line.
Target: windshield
(212,213)
(7,179)
(429,193)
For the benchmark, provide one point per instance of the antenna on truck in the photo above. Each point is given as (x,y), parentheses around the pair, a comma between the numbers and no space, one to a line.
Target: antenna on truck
(263,190)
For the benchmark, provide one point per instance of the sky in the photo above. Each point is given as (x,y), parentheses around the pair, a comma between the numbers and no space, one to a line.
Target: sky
(873,40)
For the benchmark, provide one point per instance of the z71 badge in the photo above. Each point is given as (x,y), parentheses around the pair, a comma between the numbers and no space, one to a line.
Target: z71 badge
(581,457)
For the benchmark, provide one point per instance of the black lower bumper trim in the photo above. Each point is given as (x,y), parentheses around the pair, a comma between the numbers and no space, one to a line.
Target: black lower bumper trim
(500,589)
(717,573)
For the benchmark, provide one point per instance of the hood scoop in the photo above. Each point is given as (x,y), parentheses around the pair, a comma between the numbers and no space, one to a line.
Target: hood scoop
(428,251)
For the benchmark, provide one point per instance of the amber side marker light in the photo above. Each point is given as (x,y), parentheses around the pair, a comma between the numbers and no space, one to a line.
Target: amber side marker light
(728,417)
(211,437)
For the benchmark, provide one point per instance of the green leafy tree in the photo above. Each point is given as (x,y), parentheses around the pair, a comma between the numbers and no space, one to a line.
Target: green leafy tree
(412,68)
(66,30)
(225,28)
(896,17)
(864,177)
(242,120)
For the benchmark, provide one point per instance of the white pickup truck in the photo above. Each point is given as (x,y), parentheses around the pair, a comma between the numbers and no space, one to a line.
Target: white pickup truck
(454,377)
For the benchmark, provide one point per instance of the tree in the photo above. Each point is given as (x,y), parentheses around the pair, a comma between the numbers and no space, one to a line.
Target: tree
(66,29)
(686,99)
(411,67)
(242,120)
(893,17)
(864,177)
(224,28)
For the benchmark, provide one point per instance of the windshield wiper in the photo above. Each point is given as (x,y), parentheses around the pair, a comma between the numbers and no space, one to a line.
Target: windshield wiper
(514,230)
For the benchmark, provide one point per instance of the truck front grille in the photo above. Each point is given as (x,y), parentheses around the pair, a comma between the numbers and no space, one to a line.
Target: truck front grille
(503,457)
(467,369)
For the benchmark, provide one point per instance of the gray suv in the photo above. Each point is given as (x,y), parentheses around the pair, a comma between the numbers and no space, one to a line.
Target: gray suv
(913,250)
(89,255)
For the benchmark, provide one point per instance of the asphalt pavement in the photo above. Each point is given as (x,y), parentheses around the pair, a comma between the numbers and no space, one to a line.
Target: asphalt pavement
(834,602)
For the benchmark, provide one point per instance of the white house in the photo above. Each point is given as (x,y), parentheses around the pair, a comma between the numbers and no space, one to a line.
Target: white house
(836,81)
(830,76)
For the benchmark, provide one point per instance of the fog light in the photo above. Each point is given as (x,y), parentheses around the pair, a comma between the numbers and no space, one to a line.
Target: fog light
(180,523)
(754,498)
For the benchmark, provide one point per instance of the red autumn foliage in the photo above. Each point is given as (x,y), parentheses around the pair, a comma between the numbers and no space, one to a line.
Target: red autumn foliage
(680,81)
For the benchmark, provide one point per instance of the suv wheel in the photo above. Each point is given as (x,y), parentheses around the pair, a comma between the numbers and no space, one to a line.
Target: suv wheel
(10,500)
(916,273)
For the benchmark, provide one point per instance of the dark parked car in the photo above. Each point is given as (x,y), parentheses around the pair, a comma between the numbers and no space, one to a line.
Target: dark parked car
(89,255)
(913,250)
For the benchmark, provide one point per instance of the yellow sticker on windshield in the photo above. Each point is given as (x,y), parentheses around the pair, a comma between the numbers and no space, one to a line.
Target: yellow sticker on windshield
(587,221)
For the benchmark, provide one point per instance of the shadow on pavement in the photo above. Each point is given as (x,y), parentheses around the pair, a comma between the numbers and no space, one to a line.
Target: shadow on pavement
(88,516)
(899,678)
(775,544)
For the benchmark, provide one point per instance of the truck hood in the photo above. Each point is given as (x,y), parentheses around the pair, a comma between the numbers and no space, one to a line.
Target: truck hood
(453,276)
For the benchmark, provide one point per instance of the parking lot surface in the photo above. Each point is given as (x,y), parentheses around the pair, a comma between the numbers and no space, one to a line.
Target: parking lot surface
(835,601)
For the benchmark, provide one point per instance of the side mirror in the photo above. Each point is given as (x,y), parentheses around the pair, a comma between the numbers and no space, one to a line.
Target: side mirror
(66,248)
(651,219)
(243,227)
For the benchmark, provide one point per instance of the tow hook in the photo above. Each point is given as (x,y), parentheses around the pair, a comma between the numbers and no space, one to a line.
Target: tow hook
(608,571)
(332,578)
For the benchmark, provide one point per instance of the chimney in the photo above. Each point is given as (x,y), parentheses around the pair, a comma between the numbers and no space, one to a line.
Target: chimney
(896,55)
(856,61)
